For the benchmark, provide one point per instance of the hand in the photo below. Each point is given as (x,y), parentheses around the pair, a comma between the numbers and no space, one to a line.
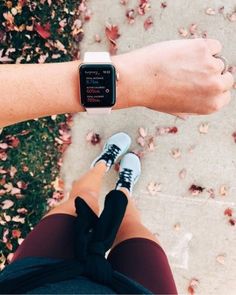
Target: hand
(179,76)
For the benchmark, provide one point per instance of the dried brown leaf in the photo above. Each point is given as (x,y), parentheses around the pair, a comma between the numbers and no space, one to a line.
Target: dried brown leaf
(7,204)
(203,127)
(232,16)
(175,153)
(182,173)
(153,188)
(142,131)
(183,32)
(141,141)
(193,284)
(210,11)
(177,226)
(221,258)
(223,190)
(148,23)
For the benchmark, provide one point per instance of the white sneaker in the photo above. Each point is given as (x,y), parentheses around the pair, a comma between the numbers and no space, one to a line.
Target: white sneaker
(130,170)
(116,146)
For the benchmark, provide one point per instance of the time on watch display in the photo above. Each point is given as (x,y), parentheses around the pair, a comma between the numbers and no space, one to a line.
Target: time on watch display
(97,85)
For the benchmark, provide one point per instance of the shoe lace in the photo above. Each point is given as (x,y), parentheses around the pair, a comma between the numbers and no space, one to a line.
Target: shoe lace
(111,153)
(125,177)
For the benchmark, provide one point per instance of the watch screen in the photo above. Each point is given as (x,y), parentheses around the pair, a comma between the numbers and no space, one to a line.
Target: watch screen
(97,85)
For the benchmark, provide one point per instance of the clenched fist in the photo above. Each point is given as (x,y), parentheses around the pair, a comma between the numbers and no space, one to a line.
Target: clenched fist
(180,76)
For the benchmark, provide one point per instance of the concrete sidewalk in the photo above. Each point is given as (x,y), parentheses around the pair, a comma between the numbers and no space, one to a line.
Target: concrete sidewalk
(195,233)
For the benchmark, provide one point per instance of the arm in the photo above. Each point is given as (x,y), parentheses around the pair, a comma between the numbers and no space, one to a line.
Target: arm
(180,76)
(29,91)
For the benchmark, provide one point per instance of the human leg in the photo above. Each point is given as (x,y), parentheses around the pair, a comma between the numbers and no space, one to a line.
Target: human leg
(53,236)
(136,252)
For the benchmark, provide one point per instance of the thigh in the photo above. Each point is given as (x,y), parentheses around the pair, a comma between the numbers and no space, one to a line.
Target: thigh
(144,261)
(52,237)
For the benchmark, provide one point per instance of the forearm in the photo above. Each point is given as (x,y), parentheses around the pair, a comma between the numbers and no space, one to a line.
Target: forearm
(37,90)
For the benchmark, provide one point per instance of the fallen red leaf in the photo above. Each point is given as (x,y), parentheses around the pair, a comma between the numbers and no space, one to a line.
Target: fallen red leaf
(148,23)
(16,233)
(228,212)
(234,136)
(163,4)
(13,141)
(232,221)
(43,31)
(195,189)
(130,14)
(95,139)
(192,286)
(191,290)
(112,32)
(173,130)
(143,7)
(9,246)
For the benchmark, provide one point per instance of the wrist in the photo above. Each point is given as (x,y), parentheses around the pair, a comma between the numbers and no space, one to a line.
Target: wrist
(124,94)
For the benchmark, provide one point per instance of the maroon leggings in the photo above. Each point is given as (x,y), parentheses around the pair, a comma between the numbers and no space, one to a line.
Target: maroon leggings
(140,259)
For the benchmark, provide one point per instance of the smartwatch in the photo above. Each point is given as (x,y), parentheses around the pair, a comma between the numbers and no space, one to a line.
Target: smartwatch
(97,77)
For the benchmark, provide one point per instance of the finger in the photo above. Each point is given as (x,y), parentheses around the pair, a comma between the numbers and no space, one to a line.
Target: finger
(214,46)
(218,64)
(227,81)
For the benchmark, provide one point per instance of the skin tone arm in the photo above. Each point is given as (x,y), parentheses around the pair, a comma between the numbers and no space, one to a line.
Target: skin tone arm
(180,76)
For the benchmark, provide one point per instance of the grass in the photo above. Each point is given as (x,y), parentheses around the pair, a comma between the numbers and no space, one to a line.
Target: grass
(32,32)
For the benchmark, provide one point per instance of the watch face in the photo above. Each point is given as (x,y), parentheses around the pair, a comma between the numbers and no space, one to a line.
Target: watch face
(97,85)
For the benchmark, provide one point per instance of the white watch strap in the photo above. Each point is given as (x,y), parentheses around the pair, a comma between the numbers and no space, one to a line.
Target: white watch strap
(98,111)
(97,57)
